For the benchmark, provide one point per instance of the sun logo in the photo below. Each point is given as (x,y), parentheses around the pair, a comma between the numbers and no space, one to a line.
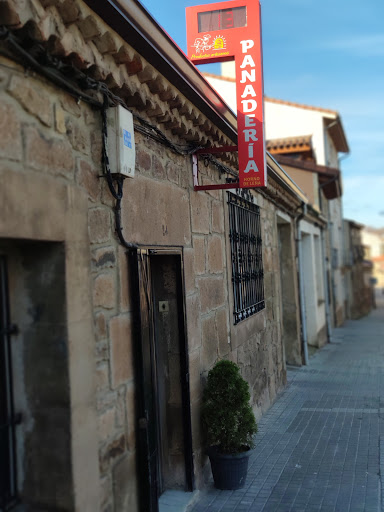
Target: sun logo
(219,43)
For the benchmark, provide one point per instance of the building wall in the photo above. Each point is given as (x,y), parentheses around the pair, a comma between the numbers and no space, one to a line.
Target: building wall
(226,86)
(46,174)
(314,293)
(290,121)
(309,184)
(50,154)
(337,259)
(373,239)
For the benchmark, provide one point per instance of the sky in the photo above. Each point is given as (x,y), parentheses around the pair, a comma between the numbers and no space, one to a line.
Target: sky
(329,54)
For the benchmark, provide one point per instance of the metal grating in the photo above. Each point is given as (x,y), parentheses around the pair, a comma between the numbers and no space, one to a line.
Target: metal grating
(246,254)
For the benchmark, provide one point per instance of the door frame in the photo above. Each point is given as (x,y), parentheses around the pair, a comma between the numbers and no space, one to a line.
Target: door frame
(145,379)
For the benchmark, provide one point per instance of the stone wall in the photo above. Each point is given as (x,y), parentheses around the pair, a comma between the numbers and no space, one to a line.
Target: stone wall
(44,198)
(50,153)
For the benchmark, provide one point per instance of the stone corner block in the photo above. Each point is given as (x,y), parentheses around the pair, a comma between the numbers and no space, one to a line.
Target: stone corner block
(120,333)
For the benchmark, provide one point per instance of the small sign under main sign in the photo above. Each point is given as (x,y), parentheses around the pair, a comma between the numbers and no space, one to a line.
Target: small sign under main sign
(232,30)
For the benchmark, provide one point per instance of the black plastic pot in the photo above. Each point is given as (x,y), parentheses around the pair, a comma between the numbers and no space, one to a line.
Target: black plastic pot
(229,470)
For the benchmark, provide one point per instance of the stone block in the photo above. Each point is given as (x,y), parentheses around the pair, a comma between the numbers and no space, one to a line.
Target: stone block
(101,350)
(189,274)
(269,285)
(124,282)
(158,170)
(215,254)
(209,342)
(173,172)
(78,135)
(193,321)
(200,212)
(103,257)
(96,146)
(100,326)
(4,77)
(268,259)
(106,196)
(88,178)
(104,291)
(110,452)
(120,333)
(120,408)
(125,484)
(217,217)
(186,178)
(102,376)
(195,387)
(107,424)
(48,154)
(60,119)
(199,255)
(99,225)
(143,160)
(212,292)
(10,132)
(105,400)
(222,328)
(70,105)
(158,213)
(33,98)
(106,494)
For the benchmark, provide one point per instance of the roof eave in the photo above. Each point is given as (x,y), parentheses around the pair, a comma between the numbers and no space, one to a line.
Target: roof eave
(135,25)
(337,133)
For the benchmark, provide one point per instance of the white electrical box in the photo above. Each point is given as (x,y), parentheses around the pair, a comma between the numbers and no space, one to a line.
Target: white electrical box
(121,141)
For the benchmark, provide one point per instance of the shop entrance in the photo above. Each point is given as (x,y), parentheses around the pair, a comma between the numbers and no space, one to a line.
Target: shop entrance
(164,424)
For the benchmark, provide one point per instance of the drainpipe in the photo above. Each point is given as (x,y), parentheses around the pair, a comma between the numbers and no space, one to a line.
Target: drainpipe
(304,336)
(326,287)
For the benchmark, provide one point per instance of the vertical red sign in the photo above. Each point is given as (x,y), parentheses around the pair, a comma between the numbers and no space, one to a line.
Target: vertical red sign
(226,31)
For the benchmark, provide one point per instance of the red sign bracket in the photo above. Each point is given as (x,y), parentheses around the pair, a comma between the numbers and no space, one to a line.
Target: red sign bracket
(195,168)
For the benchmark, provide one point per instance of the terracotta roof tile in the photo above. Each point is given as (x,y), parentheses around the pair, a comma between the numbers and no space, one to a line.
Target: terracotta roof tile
(72,31)
(296,144)
(300,105)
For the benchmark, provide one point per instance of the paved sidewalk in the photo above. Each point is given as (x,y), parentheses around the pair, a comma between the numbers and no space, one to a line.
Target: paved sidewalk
(321,446)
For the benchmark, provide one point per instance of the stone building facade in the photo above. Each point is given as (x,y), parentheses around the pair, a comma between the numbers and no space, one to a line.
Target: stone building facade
(358,272)
(118,328)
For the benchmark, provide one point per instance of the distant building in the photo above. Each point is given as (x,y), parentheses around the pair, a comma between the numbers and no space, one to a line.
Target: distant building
(306,141)
(357,273)
(373,241)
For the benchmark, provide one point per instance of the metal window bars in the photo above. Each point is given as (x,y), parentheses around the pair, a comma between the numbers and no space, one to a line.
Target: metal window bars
(246,254)
(7,415)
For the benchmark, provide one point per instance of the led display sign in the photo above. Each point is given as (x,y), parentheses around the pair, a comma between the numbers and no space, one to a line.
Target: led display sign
(226,31)
(222,19)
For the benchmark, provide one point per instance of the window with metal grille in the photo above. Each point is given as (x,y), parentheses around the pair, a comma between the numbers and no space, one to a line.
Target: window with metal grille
(246,254)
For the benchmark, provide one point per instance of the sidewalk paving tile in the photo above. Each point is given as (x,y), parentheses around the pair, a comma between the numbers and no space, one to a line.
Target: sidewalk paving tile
(320,447)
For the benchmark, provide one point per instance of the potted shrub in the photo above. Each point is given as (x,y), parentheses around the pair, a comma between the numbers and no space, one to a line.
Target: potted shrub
(229,423)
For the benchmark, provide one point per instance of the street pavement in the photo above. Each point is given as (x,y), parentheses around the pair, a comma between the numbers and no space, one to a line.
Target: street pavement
(320,447)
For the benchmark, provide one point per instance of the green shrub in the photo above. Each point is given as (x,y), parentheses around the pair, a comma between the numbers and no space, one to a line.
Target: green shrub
(227,416)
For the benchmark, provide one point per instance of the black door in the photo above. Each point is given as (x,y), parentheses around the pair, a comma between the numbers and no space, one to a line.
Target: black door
(163,408)
(7,423)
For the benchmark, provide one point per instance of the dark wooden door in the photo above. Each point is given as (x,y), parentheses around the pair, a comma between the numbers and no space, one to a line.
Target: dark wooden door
(145,265)
(7,420)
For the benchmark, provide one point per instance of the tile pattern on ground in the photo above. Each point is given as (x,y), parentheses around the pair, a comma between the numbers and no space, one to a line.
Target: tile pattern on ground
(320,446)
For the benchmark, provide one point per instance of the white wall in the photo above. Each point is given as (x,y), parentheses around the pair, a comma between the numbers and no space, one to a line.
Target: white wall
(374,241)
(226,89)
(313,269)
